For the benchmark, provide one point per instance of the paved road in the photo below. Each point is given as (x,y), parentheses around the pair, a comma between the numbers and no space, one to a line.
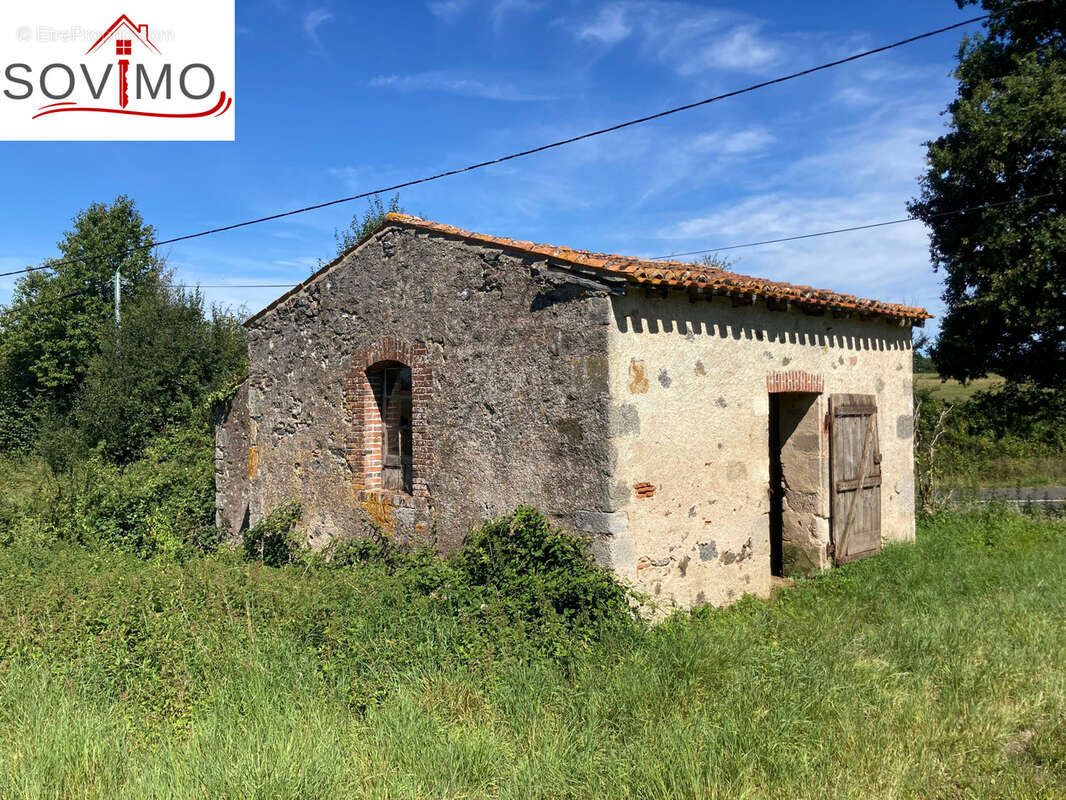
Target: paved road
(1050,497)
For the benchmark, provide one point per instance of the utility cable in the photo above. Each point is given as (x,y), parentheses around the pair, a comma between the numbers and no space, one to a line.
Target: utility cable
(541,148)
(854,228)
(799,237)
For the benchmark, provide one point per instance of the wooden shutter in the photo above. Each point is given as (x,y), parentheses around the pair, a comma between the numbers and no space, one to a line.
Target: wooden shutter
(855,476)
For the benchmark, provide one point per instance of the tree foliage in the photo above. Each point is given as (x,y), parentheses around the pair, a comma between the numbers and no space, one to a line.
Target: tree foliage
(57,317)
(1005,287)
(72,381)
(157,370)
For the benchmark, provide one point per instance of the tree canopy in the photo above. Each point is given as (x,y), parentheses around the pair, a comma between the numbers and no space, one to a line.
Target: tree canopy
(70,378)
(1005,148)
(57,316)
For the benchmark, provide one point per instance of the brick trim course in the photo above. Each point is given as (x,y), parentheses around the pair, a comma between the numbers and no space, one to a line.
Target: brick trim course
(795,381)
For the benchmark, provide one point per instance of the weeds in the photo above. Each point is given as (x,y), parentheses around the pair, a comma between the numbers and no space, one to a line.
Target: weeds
(934,670)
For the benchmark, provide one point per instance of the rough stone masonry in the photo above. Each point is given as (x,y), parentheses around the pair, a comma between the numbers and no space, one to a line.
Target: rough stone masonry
(431,378)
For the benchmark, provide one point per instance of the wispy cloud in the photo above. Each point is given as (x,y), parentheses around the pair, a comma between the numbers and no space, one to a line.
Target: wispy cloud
(498,11)
(610,26)
(694,161)
(313,20)
(690,38)
(857,176)
(439,81)
(448,10)
(502,9)
(742,49)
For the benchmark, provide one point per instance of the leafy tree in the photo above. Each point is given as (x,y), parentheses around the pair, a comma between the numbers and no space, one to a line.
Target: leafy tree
(157,370)
(57,317)
(1005,147)
(920,347)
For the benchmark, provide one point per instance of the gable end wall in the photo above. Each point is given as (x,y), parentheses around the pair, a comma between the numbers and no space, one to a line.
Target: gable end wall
(510,401)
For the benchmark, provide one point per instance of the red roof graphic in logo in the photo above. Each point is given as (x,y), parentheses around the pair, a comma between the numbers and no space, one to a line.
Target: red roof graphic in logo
(125,32)
(123,46)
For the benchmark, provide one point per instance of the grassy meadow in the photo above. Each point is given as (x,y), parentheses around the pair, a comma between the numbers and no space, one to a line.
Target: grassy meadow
(952,391)
(933,671)
(994,435)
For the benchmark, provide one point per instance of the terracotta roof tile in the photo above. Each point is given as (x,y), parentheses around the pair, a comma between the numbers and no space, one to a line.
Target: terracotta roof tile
(642,271)
(679,275)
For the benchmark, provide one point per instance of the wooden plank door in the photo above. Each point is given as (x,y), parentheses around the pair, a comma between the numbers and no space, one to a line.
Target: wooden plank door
(855,477)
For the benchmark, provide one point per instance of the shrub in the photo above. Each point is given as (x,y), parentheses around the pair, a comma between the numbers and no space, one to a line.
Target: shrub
(518,582)
(272,540)
(537,573)
(1010,435)
(161,504)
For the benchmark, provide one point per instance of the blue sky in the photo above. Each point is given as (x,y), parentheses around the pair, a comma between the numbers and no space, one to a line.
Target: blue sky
(335,98)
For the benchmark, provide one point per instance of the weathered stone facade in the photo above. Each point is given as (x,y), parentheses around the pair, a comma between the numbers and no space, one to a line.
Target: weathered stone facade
(231,463)
(640,418)
(690,411)
(510,362)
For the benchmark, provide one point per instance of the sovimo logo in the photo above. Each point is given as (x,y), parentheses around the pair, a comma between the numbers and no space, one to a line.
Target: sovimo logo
(168,77)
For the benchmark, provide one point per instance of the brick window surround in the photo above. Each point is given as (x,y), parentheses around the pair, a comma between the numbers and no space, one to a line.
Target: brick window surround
(795,381)
(364,445)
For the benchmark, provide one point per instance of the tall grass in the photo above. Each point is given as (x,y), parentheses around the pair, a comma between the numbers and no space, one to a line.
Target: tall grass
(935,670)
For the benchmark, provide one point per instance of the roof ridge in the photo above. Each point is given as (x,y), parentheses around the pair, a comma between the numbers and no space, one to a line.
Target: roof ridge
(679,274)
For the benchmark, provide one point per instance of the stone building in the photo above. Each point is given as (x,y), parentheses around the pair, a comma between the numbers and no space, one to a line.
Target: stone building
(707,430)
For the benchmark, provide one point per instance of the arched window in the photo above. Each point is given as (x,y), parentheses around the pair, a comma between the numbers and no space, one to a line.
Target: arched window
(387,394)
(391,384)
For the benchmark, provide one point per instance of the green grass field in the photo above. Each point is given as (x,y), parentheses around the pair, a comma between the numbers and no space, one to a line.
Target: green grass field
(933,671)
(951,391)
(1009,472)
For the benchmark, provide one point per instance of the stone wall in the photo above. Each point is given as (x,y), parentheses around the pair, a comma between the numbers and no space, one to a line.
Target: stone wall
(640,420)
(804,456)
(510,397)
(690,425)
(232,465)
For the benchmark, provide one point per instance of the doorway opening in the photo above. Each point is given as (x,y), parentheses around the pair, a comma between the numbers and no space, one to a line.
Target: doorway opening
(795,472)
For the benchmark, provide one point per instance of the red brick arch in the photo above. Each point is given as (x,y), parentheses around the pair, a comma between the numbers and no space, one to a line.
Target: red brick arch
(364,441)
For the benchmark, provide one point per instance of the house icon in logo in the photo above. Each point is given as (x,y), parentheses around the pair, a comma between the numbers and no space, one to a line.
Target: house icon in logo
(124,33)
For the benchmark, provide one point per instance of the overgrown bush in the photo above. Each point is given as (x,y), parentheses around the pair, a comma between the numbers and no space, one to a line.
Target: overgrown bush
(535,572)
(273,539)
(516,578)
(161,504)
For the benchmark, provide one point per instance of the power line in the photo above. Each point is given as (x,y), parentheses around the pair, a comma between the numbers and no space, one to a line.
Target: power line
(853,228)
(234,285)
(799,237)
(533,151)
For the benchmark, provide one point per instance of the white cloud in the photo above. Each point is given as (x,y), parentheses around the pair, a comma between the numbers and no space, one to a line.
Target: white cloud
(693,161)
(741,50)
(313,20)
(498,10)
(743,142)
(440,81)
(448,10)
(610,27)
(855,175)
(888,263)
(689,38)
(501,9)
